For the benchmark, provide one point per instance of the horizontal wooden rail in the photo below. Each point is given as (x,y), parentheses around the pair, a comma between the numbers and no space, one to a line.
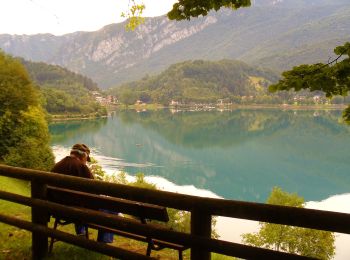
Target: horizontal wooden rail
(308,218)
(213,245)
(72,239)
(96,202)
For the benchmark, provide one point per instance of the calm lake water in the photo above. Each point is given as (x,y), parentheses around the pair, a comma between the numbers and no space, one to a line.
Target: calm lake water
(238,154)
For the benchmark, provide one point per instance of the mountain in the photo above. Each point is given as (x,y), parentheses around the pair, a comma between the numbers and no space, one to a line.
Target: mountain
(199,81)
(274,33)
(47,74)
(64,91)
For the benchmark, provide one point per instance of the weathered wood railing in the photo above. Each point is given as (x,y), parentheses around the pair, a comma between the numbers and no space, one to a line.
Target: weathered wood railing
(202,210)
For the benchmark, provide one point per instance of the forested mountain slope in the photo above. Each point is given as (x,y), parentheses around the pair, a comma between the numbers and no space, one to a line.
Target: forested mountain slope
(199,81)
(63,91)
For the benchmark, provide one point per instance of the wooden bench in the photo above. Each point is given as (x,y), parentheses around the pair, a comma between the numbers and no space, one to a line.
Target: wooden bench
(143,212)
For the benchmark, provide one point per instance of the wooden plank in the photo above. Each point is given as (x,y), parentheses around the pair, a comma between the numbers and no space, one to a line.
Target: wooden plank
(317,219)
(39,217)
(118,232)
(200,226)
(91,201)
(163,244)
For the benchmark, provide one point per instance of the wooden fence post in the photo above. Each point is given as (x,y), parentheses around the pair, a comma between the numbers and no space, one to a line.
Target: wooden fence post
(200,226)
(39,216)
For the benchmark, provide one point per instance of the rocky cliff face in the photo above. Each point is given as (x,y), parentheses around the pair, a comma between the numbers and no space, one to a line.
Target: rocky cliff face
(110,49)
(112,55)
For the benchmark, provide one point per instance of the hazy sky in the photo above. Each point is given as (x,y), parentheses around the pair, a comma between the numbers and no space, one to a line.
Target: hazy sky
(65,16)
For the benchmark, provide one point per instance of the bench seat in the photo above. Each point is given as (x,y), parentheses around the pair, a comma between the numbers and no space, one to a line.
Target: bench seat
(144,212)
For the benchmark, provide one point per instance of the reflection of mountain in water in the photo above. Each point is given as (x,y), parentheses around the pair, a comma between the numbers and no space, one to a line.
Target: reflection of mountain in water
(238,155)
(208,129)
(62,131)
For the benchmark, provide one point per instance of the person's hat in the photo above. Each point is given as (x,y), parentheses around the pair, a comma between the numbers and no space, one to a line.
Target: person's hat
(82,148)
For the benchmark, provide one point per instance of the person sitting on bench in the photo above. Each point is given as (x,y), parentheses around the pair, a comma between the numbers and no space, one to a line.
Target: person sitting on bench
(75,165)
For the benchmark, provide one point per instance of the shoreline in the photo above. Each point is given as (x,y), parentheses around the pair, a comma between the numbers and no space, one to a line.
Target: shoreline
(55,118)
(237,106)
(264,106)
(295,107)
(70,117)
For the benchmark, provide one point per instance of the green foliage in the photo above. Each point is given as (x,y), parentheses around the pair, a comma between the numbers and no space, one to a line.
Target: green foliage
(280,197)
(43,73)
(23,129)
(70,99)
(17,90)
(134,14)
(127,97)
(198,81)
(31,148)
(64,91)
(142,183)
(332,79)
(302,241)
(185,9)
(96,169)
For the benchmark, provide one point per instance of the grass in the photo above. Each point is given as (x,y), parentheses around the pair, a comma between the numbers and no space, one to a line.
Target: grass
(16,243)
(215,256)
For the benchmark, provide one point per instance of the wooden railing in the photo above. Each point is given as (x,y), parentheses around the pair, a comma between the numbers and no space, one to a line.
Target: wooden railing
(202,210)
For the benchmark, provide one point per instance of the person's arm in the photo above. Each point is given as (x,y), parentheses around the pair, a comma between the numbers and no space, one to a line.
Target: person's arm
(86,173)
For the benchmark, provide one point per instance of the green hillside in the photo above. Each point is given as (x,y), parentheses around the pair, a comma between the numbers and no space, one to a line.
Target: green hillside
(43,73)
(199,81)
(64,91)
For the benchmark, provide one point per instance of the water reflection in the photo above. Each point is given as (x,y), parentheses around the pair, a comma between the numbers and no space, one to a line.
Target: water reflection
(208,129)
(61,132)
(238,154)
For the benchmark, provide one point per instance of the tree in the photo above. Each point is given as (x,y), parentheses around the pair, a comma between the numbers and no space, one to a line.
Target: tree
(332,78)
(128,97)
(63,91)
(183,9)
(302,241)
(24,134)
(31,150)
(17,90)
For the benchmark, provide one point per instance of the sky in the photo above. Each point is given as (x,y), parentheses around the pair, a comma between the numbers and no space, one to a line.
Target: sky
(66,16)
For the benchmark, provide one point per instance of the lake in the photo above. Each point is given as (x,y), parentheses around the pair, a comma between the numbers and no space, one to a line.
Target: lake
(240,154)
(235,154)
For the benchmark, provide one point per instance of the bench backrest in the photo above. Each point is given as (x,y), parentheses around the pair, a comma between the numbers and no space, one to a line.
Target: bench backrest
(98,202)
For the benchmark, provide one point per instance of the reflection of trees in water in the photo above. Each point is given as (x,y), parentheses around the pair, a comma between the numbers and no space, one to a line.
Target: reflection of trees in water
(61,131)
(206,129)
(253,150)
